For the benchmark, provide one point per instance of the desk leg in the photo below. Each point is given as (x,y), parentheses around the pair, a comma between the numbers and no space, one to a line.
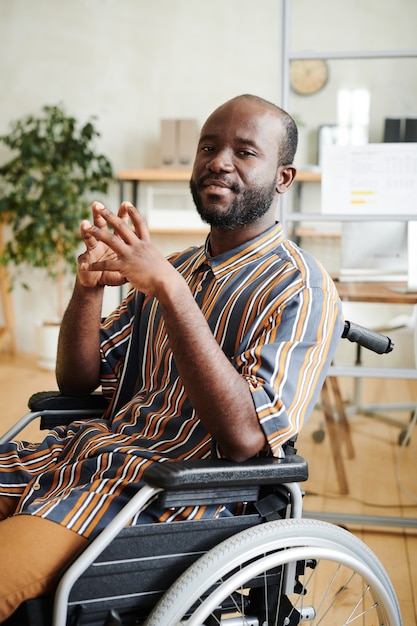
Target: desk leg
(135,193)
(343,422)
(335,439)
(134,197)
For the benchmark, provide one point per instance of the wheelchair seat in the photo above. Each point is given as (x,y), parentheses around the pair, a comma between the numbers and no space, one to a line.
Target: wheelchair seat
(132,571)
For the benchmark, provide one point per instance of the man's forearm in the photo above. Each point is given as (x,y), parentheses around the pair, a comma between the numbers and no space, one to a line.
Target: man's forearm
(220,396)
(78,359)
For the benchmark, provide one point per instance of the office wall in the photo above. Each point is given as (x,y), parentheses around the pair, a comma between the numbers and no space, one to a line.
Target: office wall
(135,61)
(132,62)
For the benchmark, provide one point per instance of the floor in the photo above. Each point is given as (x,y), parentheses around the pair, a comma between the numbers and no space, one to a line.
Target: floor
(382,481)
(382,477)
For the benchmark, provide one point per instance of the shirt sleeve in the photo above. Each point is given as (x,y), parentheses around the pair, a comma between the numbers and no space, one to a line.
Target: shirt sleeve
(286,364)
(115,333)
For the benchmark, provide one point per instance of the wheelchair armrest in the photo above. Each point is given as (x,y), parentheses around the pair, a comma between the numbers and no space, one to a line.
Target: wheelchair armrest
(173,475)
(57,409)
(56,401)
(220,481)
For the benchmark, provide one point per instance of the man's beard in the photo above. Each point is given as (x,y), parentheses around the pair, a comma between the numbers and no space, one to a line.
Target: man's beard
(244,210)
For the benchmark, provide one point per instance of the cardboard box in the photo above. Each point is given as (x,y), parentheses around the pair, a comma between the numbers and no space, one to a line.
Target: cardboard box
(179,138)
(168,143)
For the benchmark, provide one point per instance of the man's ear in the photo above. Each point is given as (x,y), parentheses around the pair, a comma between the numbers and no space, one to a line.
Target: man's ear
(285,177)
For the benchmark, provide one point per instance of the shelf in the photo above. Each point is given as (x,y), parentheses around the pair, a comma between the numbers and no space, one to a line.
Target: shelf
(160,175)
(160,230)
(358,54)
(347,217)
(312,233)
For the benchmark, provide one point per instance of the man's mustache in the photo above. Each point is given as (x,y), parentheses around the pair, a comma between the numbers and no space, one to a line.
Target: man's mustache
(222,179)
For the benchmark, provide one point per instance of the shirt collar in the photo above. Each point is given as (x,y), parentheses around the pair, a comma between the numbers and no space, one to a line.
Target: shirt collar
(234,259)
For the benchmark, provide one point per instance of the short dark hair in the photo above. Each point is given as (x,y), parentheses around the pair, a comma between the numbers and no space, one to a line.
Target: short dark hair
(288,146)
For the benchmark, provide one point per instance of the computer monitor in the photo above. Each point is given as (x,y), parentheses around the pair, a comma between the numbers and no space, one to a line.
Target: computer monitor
(371,180)
(374,250)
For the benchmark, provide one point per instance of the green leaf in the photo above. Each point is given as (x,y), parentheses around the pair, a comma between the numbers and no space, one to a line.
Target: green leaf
(46,187)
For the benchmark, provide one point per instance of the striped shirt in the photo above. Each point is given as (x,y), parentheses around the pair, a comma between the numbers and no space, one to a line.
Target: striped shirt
(275,313)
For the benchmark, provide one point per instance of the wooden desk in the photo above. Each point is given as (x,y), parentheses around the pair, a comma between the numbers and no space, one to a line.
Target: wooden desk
(381,292)
(184,175)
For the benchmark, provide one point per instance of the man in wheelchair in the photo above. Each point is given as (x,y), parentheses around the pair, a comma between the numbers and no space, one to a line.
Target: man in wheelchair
(217,351)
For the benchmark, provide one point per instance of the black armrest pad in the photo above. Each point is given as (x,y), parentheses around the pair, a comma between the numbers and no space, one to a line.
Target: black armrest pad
(56,401)
(209,474)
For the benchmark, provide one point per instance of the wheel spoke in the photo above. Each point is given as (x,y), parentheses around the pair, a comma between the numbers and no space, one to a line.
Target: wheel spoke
(241,581)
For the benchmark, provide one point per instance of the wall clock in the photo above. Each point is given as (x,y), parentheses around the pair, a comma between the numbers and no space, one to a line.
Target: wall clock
(308,76)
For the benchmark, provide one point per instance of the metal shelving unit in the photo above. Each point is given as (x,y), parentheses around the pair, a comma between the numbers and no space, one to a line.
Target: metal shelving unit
(286,57)
(287,217)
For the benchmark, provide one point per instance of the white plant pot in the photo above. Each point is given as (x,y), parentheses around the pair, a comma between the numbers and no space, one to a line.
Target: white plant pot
(47,344)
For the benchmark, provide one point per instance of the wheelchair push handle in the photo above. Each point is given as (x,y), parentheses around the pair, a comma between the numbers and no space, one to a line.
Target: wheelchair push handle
(370,339)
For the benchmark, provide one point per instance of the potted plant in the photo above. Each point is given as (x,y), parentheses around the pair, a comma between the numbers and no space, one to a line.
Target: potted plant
(45,191)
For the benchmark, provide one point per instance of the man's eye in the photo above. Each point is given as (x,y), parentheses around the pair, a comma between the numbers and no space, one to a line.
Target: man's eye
(246,153)
(207,148)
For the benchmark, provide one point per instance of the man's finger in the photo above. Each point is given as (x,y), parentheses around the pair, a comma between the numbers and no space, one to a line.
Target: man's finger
(97,208)
(119,225)
(84,261)
(138,221)
(87,235)
(123,212)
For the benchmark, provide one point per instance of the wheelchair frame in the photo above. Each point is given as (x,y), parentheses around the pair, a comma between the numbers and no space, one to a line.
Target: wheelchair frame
(223,571)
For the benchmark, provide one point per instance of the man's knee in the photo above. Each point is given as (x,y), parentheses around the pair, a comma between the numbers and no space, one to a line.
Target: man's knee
(33,551)
(8,506)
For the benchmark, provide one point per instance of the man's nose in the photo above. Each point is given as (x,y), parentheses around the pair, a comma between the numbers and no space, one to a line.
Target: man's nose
(222,161)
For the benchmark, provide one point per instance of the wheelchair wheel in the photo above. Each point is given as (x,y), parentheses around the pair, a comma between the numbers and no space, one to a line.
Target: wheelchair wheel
(334,580)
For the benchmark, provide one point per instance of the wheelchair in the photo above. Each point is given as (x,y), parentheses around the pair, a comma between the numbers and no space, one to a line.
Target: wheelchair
(268,566)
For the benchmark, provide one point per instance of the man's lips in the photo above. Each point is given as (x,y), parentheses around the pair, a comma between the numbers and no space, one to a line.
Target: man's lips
(218,190)
(217,185)
(210,182)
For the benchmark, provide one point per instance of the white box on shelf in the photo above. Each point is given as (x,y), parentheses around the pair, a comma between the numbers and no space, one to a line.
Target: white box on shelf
(169,143)
(187,132)
(179,139)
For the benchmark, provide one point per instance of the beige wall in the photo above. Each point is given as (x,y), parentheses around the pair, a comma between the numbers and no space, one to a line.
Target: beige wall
(132,62)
